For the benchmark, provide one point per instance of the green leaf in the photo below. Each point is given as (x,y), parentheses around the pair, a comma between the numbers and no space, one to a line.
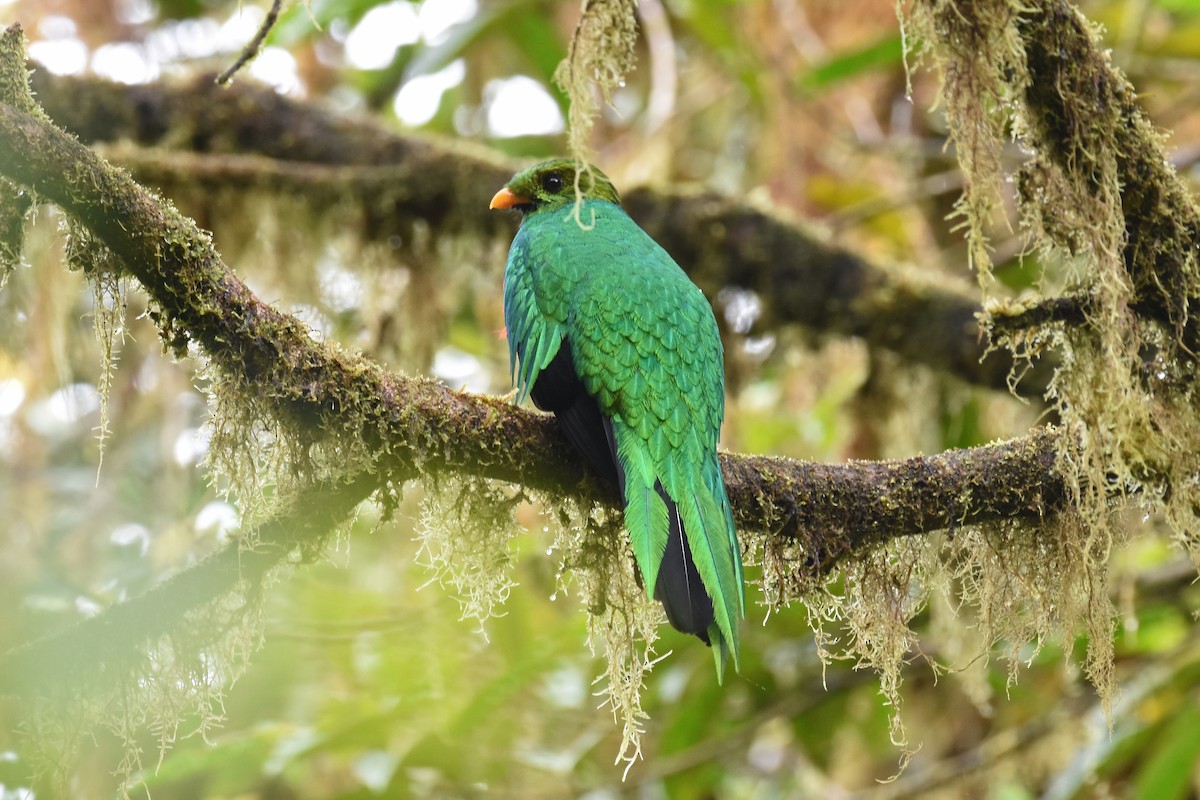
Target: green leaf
(887,52)
(466,35)
(1184,7)
(710,23)
(302,22)
(1167,772)
(539,41)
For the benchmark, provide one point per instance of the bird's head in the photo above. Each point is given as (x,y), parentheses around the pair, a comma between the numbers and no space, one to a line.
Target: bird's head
(554,184)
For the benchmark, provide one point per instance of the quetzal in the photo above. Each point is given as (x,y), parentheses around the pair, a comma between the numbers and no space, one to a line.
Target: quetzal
(608,333)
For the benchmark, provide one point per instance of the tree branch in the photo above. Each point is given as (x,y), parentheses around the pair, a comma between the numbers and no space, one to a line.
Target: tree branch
(254,46)
(417,426)
(799,277)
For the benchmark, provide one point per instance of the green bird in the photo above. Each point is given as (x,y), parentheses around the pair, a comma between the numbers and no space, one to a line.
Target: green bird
(608,333)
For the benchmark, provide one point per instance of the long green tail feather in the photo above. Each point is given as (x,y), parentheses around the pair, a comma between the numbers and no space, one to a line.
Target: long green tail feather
(646,516)
(716,484)
(704,524)
(721,652)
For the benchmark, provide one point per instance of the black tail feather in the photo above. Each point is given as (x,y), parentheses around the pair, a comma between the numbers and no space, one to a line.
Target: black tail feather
(679,588)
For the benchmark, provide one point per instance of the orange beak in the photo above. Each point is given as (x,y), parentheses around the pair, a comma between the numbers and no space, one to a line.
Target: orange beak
(507,199)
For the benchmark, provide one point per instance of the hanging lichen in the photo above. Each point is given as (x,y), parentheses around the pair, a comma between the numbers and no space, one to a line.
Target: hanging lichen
(600,56)
(15,208)
(339,252)
(104,274)
(623,622)
(15,204)
(466,531)
(981,70)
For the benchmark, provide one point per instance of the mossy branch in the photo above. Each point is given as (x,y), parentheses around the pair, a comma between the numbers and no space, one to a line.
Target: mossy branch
(1071,81)
(248,136)
(417,425)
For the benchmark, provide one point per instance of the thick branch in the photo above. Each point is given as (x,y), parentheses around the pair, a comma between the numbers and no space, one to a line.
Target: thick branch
(418,426)
(837,510)
(799,277)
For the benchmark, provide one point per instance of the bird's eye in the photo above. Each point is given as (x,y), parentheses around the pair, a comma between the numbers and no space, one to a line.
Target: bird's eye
(552,182)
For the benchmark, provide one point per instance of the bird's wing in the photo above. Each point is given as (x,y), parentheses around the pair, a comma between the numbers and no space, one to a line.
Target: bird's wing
(533,317)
